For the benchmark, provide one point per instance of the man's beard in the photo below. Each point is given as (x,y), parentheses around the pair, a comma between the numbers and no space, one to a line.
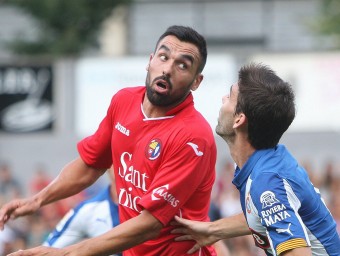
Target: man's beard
(226,133)
(163,100)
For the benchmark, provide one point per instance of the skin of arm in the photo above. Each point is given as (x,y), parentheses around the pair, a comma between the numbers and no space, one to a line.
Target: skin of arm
(221,248)
(208,233)
(73,178)
(128,234)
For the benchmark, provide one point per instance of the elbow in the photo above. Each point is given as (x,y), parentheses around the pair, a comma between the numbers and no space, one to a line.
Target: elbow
(154,230)
(149,226)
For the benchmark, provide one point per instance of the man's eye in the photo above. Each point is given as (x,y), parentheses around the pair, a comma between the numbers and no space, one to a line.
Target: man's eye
(182,66)
(163,57)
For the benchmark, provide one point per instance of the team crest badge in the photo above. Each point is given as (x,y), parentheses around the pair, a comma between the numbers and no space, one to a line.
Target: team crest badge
(153,149)
(268,199)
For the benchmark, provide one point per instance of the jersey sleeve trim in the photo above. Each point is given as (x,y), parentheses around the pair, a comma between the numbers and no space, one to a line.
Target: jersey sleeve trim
(290,244)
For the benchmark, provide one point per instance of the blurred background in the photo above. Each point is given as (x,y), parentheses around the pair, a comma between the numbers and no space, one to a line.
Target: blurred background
(61,61)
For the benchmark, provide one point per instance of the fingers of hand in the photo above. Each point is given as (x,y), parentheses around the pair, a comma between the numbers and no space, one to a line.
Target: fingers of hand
(180,221)
(194,249)
(17,253)
(174,223)
(4,217)
(9,211)
(179,231)
(184,238)
(21,208)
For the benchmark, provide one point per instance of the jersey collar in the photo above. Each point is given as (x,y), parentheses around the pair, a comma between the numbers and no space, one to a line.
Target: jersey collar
(241,175)
(189,100)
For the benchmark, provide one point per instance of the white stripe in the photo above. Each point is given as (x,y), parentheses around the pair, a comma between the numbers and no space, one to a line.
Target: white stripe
(273,251)
(153,118)
(295,204)
(180,213)
(256,223)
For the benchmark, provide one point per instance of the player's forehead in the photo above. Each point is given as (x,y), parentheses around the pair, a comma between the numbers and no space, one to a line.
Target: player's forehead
(234,89)
(173,45)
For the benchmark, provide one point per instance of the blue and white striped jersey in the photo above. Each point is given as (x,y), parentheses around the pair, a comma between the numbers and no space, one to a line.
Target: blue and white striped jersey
(283,209)
(90,218)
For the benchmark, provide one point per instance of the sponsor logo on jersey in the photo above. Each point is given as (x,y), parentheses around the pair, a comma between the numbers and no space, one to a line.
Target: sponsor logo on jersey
(268,199)
(101,220)
(135,180)
(162,192)
(153,149)
(195,148)
(282,230)
(122,129)
(276,212)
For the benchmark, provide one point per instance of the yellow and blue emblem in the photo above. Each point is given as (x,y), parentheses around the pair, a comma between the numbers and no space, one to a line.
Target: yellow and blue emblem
(153,149)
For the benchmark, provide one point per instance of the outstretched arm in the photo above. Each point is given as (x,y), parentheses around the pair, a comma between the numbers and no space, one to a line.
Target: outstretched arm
(73,178)
(207,233)
(126,235)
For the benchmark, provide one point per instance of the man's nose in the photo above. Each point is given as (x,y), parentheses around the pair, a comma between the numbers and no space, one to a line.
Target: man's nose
(167,69)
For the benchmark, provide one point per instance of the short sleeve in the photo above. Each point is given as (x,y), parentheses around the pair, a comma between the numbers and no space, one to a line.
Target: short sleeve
(95,150)
(278,206)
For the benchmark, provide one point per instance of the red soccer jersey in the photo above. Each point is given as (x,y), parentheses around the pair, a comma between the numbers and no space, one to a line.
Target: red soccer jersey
(165,165)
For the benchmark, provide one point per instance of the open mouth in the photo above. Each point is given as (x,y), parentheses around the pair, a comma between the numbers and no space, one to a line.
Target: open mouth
(162,85)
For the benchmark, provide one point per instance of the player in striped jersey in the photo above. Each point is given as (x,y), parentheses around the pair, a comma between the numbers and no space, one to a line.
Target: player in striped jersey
(284,212)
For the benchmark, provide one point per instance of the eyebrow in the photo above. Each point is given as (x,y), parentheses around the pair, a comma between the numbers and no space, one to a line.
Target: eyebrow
(164,47)
(184,56)
(230,90)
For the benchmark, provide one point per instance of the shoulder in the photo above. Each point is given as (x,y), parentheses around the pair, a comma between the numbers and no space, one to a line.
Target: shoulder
(129,96)
(189,134)
(130,91)
(194,125)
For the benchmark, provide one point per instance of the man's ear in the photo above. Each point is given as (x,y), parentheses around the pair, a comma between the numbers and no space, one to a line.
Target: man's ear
(197,82)
(240,119)
(151,57)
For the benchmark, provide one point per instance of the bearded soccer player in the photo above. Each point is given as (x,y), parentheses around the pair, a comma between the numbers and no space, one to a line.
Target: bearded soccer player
(163,153)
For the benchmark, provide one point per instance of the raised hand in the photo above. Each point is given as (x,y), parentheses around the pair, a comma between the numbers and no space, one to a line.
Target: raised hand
(193,230)
(40,250)
(17,208)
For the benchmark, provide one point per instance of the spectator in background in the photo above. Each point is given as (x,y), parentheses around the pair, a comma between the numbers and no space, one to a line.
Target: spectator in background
(9,186)
(45,219)
(332,186)
(39,180)
(228,197)
(335,207)
(14,235)
(329,184)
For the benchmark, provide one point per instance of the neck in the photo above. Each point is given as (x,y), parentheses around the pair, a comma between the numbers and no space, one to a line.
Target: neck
(152,111)
(240,150)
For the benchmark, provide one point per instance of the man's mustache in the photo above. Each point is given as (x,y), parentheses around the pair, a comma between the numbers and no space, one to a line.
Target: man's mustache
(165,78)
